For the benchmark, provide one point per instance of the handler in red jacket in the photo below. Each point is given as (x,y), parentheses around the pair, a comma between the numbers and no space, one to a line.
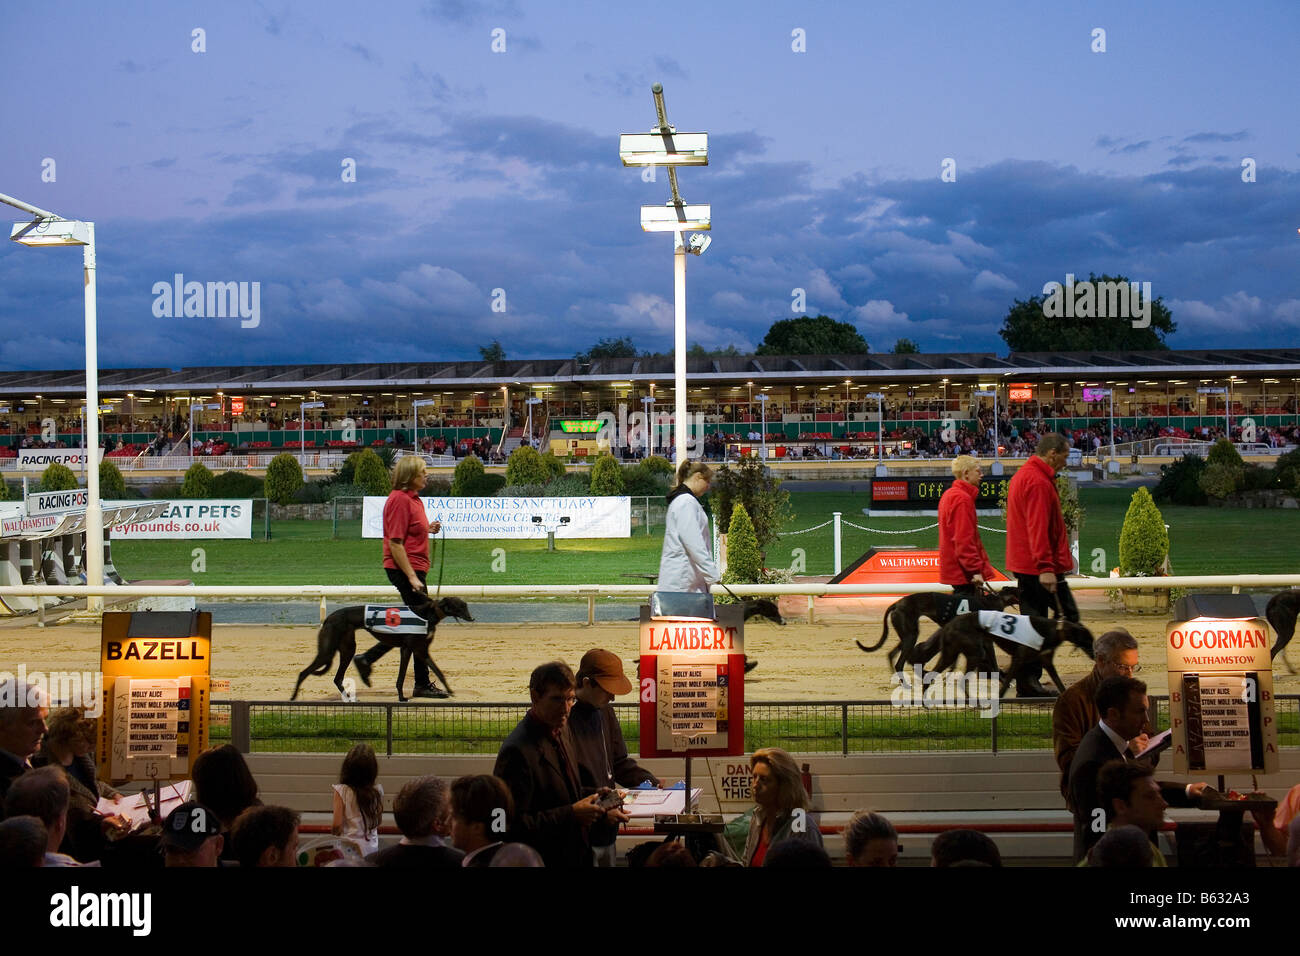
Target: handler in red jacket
(963,563)
(1038,549)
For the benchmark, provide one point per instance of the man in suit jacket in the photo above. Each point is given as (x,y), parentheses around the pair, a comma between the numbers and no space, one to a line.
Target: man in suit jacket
(481,811)
(1075,712)
(537,764)
(1122,702)
(23,709)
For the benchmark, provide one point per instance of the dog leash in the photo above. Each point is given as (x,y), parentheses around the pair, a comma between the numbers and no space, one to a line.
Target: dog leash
(442,559)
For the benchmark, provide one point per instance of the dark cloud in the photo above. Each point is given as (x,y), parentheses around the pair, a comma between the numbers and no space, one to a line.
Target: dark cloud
(162,163)
(365,53)
(257,188)
(464,13)
(1217,137)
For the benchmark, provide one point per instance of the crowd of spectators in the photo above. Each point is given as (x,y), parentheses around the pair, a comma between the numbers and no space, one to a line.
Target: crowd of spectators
(546,802)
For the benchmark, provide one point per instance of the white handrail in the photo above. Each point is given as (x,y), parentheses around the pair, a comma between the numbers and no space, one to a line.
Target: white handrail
(626,590)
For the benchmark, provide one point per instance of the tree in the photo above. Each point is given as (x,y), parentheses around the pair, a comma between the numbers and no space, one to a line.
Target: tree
(1028,327)
(1180,482)
(58,478)
(493,352)
(283,478)
(369,472)
(808,336)
(526,467)
(237,484)
(699,351)
(198,482)
(468,470)
(1143,540)
(606,476)
(112,486)
(744,562)
(4,489)
(609,348)
(754,486)
(906,347)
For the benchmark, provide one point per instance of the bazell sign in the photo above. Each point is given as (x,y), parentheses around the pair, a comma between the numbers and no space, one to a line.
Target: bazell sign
(604,517)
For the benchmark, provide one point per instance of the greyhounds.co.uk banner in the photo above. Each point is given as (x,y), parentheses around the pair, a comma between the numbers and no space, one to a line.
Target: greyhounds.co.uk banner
(604,517)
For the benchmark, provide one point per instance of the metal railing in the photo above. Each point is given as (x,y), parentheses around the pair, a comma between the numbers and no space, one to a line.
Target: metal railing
(843,727)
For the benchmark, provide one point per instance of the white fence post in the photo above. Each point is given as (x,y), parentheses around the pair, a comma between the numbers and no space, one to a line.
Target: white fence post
(838,562)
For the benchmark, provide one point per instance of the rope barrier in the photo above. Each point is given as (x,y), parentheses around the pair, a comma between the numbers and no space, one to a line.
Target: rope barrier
(806,530)
(995,530)
(882,531)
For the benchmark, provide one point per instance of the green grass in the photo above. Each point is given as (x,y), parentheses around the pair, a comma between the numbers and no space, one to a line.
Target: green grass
(303,552)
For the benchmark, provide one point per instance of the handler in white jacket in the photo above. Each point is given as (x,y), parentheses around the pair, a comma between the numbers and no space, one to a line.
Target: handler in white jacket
(686,562)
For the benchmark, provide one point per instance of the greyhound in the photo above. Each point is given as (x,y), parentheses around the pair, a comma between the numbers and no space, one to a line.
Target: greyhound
(967,636)
(338,634)
(907,612)
(1281,613)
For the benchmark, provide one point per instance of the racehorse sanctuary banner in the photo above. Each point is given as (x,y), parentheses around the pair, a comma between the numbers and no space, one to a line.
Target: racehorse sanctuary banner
(505,517)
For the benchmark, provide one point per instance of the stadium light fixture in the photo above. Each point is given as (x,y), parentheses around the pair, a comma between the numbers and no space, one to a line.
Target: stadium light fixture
(664,146)
(49,229)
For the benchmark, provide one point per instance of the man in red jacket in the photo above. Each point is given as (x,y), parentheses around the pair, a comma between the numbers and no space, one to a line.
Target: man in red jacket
(963,563)
(1038,548)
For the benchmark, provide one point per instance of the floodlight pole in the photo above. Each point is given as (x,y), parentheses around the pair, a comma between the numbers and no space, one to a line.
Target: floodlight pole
(94,510)
(880,429)
(762,405)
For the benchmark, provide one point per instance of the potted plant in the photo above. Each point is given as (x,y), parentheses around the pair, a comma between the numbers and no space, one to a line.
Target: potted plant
(1143,551)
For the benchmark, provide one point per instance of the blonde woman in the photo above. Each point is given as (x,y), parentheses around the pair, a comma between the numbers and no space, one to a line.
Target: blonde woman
(686,561)
(406,558)
(780,806)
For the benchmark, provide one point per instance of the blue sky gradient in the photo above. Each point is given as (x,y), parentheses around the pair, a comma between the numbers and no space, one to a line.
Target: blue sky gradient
(479,171)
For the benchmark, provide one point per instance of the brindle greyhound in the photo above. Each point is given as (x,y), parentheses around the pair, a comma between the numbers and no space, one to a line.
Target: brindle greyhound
(1281,613)
(338,634)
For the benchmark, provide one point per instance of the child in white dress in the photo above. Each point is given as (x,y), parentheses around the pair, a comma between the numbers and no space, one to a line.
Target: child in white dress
(359,800)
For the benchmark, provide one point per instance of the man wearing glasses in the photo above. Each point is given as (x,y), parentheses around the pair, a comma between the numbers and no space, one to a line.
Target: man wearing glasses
(537,763)
(1075,712)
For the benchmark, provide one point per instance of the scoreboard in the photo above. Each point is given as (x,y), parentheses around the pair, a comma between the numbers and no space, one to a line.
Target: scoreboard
(923,493)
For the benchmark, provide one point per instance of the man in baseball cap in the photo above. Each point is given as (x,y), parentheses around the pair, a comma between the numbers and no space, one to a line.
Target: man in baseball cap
(192,836)
(598,747)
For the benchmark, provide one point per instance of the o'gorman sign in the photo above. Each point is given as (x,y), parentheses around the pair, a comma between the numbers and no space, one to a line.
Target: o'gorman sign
(1221,696)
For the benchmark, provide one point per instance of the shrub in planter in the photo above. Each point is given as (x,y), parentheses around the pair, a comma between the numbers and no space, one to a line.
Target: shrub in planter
(468,470)
(752,484)
(1143,541)
(526,467)
(606,476)
(744,562)
(283,478)
(198,482)
(1220,480)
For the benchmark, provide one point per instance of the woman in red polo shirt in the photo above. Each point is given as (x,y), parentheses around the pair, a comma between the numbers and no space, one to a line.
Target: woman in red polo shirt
(406,558)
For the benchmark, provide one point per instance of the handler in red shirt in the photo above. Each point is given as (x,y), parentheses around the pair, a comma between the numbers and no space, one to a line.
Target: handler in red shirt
(1038,548)
(406,558)
(963,563)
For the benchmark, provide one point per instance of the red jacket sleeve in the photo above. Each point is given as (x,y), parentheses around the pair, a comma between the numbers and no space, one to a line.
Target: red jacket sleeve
(969,550)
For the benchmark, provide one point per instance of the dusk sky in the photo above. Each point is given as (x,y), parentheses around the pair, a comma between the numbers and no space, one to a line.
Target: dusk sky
(479,170)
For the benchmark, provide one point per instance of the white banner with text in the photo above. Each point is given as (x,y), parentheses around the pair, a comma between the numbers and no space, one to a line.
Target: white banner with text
(506,517)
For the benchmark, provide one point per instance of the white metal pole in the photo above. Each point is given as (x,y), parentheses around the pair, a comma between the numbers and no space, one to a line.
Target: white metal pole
(996,456)
(838,562)
(94,511)
(880,429)
(415,421)
(679,373)
(1112,423)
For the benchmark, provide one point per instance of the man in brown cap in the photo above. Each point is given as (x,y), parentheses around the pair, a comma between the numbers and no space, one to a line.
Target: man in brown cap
(598,747)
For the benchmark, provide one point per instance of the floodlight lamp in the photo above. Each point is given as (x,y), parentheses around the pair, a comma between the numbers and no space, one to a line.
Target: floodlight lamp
(51,232)
(564,519)
(537,519)
(698,243)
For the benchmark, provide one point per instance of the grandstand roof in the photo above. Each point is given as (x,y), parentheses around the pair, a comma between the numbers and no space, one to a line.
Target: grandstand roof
(960,365)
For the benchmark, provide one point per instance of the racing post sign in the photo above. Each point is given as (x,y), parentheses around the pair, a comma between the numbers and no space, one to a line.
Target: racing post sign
(156,668)
(692,685)
(1221,696)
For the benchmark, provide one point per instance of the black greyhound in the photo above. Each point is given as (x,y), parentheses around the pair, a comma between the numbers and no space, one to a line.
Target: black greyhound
(338,634)
(1281,613)
(965,636)
(906,613)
